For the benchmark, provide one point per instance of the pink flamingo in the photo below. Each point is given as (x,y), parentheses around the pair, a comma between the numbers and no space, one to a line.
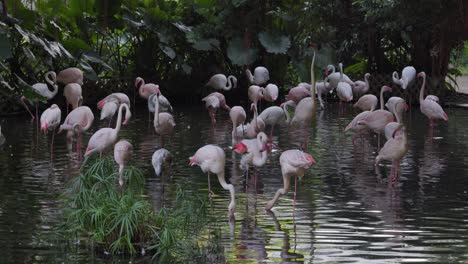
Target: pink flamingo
(72,93)
(221,82)
(110,104)
(293,163)
(323,88)
(260,76)
(213,101)
(255,126)
(161,161)
(77,121)
(42,89)
(145,90)
(378,119)
(237,115)
(394,150)
(120,97)
(163,122)
(212,159)
(275,115)
(357,127)
(367,102)
(335,77)
(397,106)
(50,120)
(105,138)
(361,87)
(299,92)
(256,94)
(70,75)
(271,93)
(429,107)
(343,89)
(122,154)
(254,151)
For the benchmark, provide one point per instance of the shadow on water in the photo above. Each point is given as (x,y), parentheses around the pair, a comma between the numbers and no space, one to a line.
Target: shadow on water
(345,212)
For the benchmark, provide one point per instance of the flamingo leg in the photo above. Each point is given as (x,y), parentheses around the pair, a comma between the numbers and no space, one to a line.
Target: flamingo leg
(247,179)
(271,133)
(378,143)
(37,118)
(26,106)
(210,193)
(295,190)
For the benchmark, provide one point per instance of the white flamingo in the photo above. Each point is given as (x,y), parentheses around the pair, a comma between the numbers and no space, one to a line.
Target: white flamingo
(221,82)
(260,76)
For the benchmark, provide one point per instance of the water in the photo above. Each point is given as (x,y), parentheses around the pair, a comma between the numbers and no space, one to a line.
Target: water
(346,211)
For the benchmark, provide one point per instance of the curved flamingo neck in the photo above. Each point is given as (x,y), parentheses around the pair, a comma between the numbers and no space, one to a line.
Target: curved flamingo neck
(341,71)
(280,191)
(249,76)
(312,79)
(366,79)
(156,110)
(286,112)
(381,98)
(119,117)
(230,82)
(396,78)
(423,87)
(229,187)
(398,114)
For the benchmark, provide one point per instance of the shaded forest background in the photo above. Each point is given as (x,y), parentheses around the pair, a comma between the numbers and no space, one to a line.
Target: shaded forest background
(180,44)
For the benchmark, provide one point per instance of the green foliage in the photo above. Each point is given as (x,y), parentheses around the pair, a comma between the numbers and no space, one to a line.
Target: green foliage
(274,43)
(239,54)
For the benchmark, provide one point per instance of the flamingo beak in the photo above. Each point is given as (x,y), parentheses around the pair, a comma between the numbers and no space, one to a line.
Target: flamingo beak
(240,148)
(310,160)
(192,161)
(125,122)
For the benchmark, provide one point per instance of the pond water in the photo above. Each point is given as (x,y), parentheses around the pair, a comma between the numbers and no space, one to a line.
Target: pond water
(345,212)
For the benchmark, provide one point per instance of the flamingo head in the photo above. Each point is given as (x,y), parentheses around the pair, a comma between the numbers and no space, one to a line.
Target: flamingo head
(421,75)
(139,82)
(310,160)
(192,161)
(387,89)
(240,148)
(234,82)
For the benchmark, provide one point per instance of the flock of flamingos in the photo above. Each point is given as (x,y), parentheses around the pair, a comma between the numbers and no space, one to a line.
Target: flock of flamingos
(249,139)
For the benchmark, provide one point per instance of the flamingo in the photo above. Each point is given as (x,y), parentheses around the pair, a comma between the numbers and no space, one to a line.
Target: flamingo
(145,90)
(334,77)
(42,90)
(293,163)
(408,75)
(362,87)
(260,76)
(212,159)
(164,104)
(299,92)
(430,107)
(213,101)
(50,120)
(322,88)
(70,75)
(109,109)
(2,137)
(120,97)
(105,138)
(161,161)
(271,93)
(357,127)
(343,89)
(255,126)
(367,102)
(237,115)
(163,122)
(256,93)
(122,154)
(397,105)
(275,115)
(72,93)
(394,150)
(378,119)
(77,121)
(221,82)
(254,151)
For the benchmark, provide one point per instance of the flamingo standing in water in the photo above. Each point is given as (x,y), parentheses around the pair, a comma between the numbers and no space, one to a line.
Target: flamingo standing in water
(72,93)
(298,93)
(163,122)
(335,77)
(378,119)
(237,115)
(161,161)
(122,154)
(293,163)
(323,88)
(42,89)
(357,127)
(260,76)
(213,101)
(275,115)
(77,122)
(408,76)
(164,104)
(430,107)
(394,150)
(361,87)
(50,120)
(145,90)
(255,126)
(105,138)
(254,151)
(367,102)
(221,82)
(70,75)
(120,97)
(256,94)
(397,106)
(271,93)
(212,159)
(344,89)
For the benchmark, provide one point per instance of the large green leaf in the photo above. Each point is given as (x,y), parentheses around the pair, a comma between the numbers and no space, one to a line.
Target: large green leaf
(168,51)
(206,44)
(93,57)
(324,57)
(205,3)
(274,42)
(240,55)
(5,48)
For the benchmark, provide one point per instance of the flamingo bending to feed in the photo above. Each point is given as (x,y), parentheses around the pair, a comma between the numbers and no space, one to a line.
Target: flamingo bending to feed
(397,106)
(72,93)
(221,82)
(378,119)
(164,104)
(120,97)
(254,151)
(361,87)
(77,122)
(367,102)
(50,120)
(213,101)
(212,159)
(275,115)
(271,93)
(344,89)
(299,92)
(42,89)
(429,107)
(357,127)
(70,75)
(255,126)
(256,94)
(260,76)
(335,77)
(293,163)
(394,150)
(161,161)
(163,122)
(322,88)
(105,138)
(122,154)
(237,115)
